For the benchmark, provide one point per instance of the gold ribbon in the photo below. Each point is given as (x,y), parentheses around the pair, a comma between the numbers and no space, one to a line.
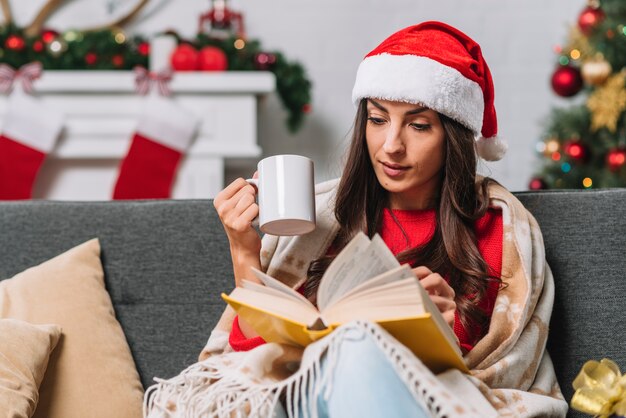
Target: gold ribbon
(600,389)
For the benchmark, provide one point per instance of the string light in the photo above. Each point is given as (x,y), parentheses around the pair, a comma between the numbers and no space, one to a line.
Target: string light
(587,182)
(556,156)
(566,167)
(120,38)
(552,146)
(240,44)
(575,54)
(540,147)
(563,60)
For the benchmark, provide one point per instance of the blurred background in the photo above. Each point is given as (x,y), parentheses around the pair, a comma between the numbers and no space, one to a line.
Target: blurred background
(536,51)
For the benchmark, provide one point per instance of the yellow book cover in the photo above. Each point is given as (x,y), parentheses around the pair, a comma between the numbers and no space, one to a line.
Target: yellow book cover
(364,281)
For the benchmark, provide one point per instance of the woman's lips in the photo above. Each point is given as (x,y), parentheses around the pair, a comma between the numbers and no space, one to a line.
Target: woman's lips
(394,170)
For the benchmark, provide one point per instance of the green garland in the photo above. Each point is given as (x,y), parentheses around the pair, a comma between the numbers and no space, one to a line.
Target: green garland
(114,50)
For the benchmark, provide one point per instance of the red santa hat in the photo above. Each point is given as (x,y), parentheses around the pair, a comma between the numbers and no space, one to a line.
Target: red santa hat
(440,67)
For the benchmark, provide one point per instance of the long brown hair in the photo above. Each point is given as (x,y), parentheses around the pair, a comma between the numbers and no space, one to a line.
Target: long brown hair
(452,250)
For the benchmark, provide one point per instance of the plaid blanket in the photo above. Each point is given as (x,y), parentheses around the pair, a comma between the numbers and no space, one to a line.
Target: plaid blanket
(510,366)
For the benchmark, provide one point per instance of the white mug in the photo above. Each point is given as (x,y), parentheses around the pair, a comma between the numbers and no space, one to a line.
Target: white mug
(286,195)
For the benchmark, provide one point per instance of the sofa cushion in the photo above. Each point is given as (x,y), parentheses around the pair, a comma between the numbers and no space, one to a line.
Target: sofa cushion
(584,233)
(165,262)
(24,352)
(91,372)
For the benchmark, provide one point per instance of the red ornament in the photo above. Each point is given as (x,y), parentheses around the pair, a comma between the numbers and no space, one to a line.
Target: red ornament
(14,43)
(589,18)
(263,61)
(616,159)
(567,81)
(143,49)
(537,183)
(49,35)
(576,150)
(118,60)
(91,58)
(211,58)
(184,58)
(38,46)
(307,108)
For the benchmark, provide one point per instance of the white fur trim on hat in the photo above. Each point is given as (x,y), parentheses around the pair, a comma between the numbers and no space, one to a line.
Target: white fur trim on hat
(416,79)
(491,149)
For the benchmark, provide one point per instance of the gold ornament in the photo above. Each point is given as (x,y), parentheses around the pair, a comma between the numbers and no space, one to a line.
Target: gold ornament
(596,71)
(608,102)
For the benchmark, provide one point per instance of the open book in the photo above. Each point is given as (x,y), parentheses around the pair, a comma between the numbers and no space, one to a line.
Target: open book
(364,281)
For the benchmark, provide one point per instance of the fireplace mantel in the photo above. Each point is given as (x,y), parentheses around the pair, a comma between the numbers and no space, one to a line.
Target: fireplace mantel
(101,110)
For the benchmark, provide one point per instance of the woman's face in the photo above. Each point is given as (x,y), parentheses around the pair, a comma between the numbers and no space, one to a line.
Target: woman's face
(406,144)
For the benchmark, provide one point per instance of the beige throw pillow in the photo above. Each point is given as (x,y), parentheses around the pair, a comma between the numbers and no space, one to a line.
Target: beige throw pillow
(24,352)
(91,372)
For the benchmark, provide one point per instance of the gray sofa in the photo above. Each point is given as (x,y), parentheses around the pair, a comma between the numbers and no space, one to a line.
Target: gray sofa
(166,263)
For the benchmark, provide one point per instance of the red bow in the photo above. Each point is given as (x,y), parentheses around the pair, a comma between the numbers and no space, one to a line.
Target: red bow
(27,73)
(145,78)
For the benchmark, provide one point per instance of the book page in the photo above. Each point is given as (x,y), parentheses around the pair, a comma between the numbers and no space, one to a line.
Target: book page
(397,299)
(358,262)
(276,303)
(399,273)
(430,306)
(277,285)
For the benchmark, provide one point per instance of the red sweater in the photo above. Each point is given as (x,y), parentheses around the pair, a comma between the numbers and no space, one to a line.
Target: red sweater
(419,225)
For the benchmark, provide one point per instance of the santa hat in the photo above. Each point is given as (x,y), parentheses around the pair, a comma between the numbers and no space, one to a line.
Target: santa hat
(440,67)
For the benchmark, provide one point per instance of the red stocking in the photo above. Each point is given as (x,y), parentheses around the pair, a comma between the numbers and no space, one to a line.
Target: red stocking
(29,133)
(163,134)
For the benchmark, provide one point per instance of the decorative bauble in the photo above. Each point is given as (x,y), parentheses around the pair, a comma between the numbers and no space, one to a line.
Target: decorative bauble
(118,60)
(307,108)
(212,58)
(537,183)
(184,58)
(596,72)
(143,49)
(14,43)
(589,18)
(576,150)
(38,46)
(616,159)
(566,81)
(263,61)
(49,35)
(91,58)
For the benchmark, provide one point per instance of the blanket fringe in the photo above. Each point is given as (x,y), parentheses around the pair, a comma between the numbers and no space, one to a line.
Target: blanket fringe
(209,389)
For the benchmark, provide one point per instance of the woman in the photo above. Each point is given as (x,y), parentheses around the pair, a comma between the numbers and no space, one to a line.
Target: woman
(422,97)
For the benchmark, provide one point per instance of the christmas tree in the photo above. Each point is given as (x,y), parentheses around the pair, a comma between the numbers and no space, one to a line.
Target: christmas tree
(584,145)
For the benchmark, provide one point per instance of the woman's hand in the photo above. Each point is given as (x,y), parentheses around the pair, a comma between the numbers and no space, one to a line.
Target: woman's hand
(440,292)
(236,206)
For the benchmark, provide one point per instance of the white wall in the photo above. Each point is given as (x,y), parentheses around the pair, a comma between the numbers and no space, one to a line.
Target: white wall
(330,38)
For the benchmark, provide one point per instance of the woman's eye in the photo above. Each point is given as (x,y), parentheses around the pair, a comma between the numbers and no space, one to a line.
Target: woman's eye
(420,126)
(376,121)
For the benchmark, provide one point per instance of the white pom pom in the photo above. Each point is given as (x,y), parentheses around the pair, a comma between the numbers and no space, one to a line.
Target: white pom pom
(491,149)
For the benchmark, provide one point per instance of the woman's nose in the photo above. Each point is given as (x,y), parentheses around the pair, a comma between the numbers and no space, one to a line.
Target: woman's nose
(393,142)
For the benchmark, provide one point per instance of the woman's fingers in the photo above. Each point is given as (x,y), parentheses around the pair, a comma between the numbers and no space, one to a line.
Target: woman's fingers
(446,306)
(436,285)
(229,202)
(228,192)
(440,292)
